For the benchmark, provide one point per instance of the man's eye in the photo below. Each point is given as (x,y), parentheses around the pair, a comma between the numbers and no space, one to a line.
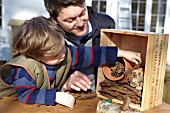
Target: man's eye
(82,14)
(70,20)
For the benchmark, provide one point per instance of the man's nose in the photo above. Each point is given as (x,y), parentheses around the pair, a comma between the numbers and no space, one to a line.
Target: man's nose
(79,22)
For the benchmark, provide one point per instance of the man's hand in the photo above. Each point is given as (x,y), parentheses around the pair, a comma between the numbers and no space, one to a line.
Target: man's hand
(77,81)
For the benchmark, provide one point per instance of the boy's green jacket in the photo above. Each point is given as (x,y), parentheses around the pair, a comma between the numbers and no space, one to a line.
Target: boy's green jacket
(37,71)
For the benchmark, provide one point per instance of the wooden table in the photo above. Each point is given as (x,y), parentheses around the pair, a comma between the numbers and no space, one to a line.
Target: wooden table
(11,105)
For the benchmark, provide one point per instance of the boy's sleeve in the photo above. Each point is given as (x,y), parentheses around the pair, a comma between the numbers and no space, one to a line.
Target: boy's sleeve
(27,91)
(92,56)
(104,55)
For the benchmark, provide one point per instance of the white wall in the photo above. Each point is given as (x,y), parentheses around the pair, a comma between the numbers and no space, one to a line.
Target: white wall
(112,9)
(167,29)
(17,9)
(88,2)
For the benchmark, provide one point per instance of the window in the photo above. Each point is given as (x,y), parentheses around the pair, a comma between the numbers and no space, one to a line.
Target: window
(138,14)
(0,13)
(156,11)
(147,15)
(99,5)
(158,16)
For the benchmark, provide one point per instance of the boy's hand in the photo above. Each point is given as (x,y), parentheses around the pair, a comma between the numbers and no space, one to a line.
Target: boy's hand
(65,99)
(77,81)
(130,55)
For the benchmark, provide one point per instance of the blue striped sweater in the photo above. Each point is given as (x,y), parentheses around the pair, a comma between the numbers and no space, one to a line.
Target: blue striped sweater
(26,88)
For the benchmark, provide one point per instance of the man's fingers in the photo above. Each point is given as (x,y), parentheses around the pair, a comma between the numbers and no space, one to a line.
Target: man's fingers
(83,76)
(78,86)
(84,84)
(75,87)
(83,81)
(77,81)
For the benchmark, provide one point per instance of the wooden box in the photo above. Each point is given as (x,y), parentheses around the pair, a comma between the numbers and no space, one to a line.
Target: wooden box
(153,49)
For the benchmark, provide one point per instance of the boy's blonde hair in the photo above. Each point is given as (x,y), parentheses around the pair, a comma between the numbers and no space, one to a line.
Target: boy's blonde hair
(39,37)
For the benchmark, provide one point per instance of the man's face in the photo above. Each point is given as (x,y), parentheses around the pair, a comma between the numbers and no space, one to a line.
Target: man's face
(74,20)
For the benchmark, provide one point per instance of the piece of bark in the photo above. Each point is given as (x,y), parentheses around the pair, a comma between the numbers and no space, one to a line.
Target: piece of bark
(138,92)
(108,83)
(122,90)
(112,85)
(84,95)
(120,96)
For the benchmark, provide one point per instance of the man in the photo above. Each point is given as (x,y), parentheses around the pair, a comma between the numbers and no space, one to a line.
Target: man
(82,27)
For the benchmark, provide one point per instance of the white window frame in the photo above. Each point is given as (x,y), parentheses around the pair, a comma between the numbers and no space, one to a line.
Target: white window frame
(148,12)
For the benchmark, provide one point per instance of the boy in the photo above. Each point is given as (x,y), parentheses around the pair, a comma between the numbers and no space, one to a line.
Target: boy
(40,69)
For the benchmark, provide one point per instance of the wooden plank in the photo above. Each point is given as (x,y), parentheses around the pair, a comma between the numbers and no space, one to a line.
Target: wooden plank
(11,105)
(147,79)
(163,65)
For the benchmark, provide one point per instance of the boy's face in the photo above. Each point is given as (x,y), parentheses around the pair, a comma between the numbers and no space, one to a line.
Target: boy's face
(74,19)
(57,59)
